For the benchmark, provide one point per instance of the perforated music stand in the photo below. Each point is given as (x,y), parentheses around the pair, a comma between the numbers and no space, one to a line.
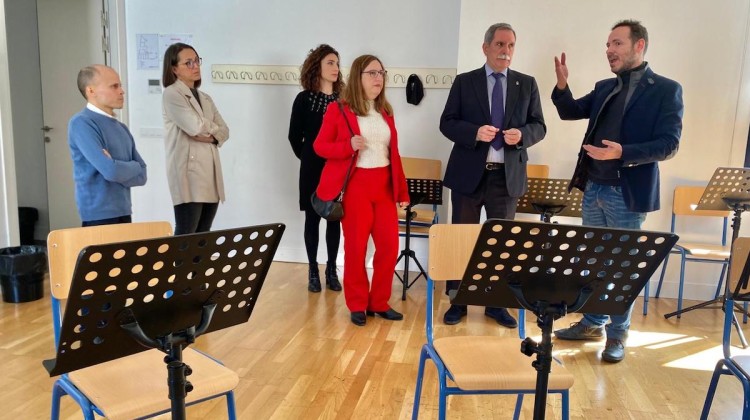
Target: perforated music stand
(554,269)
(729,188)
(162,293)
(421,191)
(550,197)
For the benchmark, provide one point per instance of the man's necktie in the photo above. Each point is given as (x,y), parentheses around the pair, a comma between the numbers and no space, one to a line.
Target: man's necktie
(497,111)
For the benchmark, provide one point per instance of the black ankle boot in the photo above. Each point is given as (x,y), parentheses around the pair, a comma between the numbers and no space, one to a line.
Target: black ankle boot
(313,279)
(332,279)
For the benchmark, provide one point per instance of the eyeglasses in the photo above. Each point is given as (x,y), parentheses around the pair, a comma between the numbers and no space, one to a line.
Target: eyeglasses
(191,64)
(376,73)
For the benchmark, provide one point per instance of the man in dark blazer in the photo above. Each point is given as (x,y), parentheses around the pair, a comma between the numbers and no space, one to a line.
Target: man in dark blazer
(487,166)
(635,120)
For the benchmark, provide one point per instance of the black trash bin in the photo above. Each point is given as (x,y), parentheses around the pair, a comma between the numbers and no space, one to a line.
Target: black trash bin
(22,273)
(27,218)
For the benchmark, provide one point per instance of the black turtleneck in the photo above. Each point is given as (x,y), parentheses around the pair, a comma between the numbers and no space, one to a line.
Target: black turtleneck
(608,126)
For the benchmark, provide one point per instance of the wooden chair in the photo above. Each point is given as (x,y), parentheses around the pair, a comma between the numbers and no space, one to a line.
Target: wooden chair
(537,171)
(685,200)
(133,386)
(475,364)
(739,366)
(426,215)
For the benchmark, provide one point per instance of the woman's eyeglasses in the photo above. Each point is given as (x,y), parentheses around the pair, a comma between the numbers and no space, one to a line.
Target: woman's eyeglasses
(191,64)
(376,73)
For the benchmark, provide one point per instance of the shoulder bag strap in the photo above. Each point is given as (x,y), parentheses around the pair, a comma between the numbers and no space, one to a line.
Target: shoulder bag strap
(354,155)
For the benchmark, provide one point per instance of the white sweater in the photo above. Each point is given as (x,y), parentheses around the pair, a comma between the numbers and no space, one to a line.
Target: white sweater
(376,153)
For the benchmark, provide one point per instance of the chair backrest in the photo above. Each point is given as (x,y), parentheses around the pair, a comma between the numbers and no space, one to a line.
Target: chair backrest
(450,250)
(421,168)
(537,171)
(65,245)
(686,198)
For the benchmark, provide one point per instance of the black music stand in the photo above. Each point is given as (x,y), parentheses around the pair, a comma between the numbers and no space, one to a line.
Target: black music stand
(729,188)
(554,269)
(550,197)
(162,293)
(421,191)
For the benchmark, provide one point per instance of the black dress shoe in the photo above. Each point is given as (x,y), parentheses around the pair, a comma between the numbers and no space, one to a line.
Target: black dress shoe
(454,314)
(502,317)
(313,279)
(332,279)
(390,315)
(359,318)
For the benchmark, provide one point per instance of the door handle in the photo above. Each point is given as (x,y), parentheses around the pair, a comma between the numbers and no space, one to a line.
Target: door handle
(46,129)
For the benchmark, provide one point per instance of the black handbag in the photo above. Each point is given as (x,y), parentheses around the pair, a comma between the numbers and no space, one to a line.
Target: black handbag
(333,210)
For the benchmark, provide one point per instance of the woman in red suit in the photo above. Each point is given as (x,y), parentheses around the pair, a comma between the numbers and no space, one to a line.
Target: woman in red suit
(375,185)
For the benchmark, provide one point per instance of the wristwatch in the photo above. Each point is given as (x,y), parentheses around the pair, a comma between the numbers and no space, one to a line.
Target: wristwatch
(215,142)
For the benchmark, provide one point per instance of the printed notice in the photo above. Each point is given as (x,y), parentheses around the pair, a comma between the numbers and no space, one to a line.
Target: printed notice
(147,51)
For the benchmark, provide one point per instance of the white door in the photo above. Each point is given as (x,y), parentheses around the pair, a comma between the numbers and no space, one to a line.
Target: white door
(70,37)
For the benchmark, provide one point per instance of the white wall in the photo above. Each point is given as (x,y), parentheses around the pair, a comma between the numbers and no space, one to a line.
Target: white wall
(26,97)
(260,170)
(703,46)
(8,200)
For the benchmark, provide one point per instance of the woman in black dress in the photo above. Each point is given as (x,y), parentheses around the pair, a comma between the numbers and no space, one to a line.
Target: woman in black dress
(321,80)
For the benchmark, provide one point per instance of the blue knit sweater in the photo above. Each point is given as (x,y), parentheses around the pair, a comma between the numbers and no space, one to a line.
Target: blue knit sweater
(103,183)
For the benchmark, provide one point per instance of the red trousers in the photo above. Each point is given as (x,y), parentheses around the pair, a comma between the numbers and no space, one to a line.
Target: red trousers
(369,210)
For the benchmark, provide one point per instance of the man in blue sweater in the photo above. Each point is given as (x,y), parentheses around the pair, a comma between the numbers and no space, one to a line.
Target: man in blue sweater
(105,162)
(635,121)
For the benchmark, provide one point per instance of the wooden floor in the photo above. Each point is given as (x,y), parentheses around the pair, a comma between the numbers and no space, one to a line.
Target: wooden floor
(299,357)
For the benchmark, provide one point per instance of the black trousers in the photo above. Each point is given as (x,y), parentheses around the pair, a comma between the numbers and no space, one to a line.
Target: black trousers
(194,217)
(312,237)
(112,221)
(492,194)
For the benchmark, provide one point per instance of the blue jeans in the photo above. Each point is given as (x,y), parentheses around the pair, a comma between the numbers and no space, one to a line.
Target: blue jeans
(604,206)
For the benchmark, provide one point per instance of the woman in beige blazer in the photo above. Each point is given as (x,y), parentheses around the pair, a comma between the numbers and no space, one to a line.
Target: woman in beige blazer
(194,131)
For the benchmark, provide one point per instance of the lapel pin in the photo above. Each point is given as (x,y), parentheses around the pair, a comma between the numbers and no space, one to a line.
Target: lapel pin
(517,83)
(650,81)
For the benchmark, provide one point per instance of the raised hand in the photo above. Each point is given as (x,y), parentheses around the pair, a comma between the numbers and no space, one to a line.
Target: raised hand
(561,70)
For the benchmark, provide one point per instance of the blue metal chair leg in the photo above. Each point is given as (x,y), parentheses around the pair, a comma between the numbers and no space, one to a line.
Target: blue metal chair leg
(718,371)
(721,281)
(442,394)
(645,298)
(231,409)
(681,285)
(57,394)
(661,277)
(517,411)
(566,405)
(418,391)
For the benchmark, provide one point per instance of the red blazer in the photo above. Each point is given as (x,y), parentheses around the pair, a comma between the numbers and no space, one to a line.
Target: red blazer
(334,144)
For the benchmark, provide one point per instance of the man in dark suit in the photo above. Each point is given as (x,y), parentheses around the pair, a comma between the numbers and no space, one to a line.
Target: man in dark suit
(635,120)
(493,115)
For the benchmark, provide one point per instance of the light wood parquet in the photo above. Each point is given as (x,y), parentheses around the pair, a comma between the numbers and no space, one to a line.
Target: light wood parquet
(299,357)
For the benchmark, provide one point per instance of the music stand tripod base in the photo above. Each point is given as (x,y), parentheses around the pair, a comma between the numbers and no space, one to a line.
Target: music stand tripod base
(555,269)
(421,191)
